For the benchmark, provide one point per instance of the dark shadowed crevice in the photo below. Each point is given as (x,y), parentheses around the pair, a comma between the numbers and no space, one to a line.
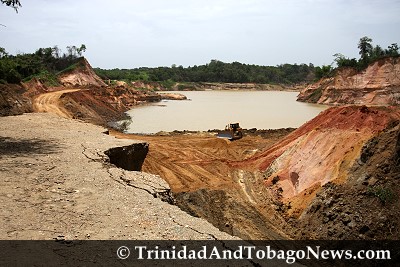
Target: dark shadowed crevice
(130,157)
(234,216)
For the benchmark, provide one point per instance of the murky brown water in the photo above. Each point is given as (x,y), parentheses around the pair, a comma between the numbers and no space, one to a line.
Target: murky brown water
(214,109)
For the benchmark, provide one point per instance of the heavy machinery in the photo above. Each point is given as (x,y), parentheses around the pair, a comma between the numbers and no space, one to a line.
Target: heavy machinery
(232,132)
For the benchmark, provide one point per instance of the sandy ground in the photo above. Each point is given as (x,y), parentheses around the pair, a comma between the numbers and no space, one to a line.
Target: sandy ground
(49,102)
(56,183)
(196,161)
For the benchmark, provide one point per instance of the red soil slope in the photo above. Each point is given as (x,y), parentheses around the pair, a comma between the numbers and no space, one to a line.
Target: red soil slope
(322,150)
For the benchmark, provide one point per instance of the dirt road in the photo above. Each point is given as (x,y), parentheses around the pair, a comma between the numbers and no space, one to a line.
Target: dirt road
(50,103)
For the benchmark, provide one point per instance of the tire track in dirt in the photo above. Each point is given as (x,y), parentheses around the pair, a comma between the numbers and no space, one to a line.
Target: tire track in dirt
(50,103)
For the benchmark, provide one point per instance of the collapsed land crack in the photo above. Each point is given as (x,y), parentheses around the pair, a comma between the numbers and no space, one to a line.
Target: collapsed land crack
(191,228)
(163,195)
(88,157)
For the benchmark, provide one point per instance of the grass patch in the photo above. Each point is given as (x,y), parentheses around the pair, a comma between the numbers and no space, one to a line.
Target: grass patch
(384,194)
(45,77)
(316,95)
(72,67)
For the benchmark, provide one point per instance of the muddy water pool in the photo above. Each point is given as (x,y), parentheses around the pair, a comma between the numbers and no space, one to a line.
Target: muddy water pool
(214,109)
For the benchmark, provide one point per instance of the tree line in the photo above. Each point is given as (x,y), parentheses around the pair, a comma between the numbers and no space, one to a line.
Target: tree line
(44,62)
(47,62)
(368,54)
(216,71)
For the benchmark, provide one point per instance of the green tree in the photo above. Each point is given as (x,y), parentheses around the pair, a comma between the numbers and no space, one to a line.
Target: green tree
(44,63)
(13,76)
(342,61)
(56,51)
(377,52)
(72,51)
(393,50)
(323,71)
(81,49)
(3,52)
(365,47)
(12,3)
(216,71)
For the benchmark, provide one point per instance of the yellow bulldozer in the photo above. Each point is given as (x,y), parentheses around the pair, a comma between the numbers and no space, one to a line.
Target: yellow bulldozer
(232,132)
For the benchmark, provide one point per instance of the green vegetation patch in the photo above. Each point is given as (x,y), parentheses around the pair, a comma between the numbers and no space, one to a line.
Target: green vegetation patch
(215,71)
(44,63)
(315,95)
(78,65)
(45,77)
(368,54)
(384,194)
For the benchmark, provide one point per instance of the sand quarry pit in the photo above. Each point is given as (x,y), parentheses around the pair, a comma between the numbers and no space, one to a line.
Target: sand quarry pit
(194,161)
(259,186)
(242,186)
(198,168)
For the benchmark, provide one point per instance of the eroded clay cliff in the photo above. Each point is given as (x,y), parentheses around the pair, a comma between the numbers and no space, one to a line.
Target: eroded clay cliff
(81,75)
(378,84)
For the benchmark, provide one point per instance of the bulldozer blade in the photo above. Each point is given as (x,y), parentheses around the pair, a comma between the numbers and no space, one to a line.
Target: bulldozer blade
(225,135)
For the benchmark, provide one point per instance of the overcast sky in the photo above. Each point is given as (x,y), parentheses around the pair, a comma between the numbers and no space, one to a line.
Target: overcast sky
(139,33)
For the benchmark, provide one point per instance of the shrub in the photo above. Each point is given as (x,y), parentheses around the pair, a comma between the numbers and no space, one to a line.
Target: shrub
(123,126)
(315,96)
(384,194)
(45,77)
